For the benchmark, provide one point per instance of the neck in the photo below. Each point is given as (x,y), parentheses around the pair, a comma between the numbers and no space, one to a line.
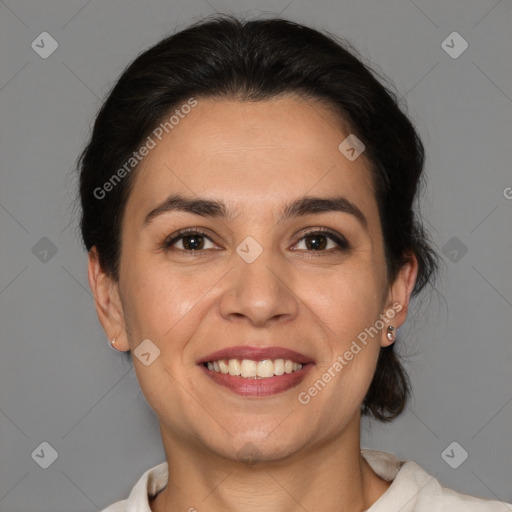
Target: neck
(333,473)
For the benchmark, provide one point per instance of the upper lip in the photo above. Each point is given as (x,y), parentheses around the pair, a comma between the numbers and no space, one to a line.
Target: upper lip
(256,353)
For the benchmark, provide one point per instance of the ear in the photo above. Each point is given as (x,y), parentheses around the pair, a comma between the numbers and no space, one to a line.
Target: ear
(397,303)
(108,302)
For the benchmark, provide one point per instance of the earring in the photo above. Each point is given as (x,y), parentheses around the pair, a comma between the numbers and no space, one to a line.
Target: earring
(112,343)
(391,334)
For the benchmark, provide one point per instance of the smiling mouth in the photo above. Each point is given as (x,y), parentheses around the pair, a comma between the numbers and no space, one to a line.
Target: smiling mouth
(252,369)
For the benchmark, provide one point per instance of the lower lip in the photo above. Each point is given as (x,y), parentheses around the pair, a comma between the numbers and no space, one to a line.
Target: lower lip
(258,387)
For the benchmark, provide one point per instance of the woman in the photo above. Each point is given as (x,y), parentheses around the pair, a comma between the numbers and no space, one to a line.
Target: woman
(247,200)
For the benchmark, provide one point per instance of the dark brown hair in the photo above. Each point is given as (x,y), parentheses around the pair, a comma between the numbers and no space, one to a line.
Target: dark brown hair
(225,57)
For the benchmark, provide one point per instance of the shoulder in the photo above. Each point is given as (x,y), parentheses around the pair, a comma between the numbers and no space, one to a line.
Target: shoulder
(118,506)
(413,489)
(149,484)
(434,497)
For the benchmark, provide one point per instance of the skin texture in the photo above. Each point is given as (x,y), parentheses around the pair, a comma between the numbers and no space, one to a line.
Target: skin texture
(256,157)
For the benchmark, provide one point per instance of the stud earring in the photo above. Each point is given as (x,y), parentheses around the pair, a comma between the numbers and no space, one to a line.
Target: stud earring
(391,334)
(112,343)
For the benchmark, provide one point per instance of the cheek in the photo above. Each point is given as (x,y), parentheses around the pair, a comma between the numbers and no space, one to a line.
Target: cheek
(349,371)
(349,304)
(345,383)
(348,301)
(166,306)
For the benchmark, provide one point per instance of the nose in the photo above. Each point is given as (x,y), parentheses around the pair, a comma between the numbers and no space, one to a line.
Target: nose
(261,292)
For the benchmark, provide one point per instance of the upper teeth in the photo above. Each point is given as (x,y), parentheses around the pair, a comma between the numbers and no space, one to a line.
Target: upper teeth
(250,368)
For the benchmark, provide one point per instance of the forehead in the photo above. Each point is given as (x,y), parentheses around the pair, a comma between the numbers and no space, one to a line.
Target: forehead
(254,156)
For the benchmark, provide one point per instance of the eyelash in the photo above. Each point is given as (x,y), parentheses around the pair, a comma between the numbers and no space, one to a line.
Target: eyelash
(340,240)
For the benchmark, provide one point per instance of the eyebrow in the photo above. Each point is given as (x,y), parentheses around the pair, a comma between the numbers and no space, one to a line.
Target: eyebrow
(303,206)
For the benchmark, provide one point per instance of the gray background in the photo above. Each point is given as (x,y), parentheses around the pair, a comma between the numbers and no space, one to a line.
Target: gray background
(61,384)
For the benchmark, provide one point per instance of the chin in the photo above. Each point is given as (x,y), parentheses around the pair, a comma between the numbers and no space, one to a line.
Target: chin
(251,449)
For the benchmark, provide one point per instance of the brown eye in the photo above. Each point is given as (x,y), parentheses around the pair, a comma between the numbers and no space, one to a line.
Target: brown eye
(318,241)
(191,240)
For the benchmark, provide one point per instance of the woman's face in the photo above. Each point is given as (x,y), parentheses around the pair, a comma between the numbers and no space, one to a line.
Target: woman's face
(255,278)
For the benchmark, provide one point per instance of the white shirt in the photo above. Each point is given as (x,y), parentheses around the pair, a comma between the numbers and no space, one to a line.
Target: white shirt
(412,490)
